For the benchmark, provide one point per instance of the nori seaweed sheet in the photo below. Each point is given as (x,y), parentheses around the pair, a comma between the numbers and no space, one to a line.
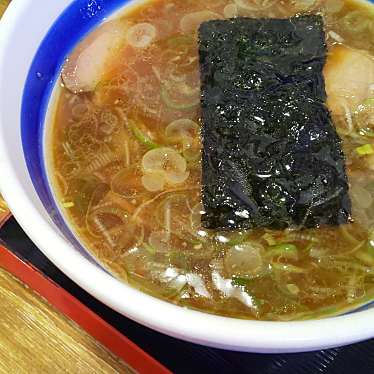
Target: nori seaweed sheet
(271,154)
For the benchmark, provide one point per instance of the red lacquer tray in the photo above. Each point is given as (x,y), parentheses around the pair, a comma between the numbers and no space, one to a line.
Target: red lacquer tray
(64,302)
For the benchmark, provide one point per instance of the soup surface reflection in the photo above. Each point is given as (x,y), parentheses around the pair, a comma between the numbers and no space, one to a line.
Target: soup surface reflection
(125,160)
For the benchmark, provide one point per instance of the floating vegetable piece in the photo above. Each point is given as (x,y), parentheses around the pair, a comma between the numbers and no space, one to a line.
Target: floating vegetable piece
(285,250)
(87,188)
(126,183)
(370,244)
(288,268)
(244,260)
(179,76)
(230,11)
(168,162)
(192,149)
(160,240)
(176,177)
(335,36)
(153,181)
(174,99)
(195,220)
(365,257)
(84,68)
(293,289)
(100,161)
(271,155)
(141,35)
(269,239)
(255,5)
(185,131)
(366,149)
(101,220)
(131,236)
(191,22)
(364,118)
(141,136)
(182,129)
(68,204)
(174,215)
(109,122)
(151,250)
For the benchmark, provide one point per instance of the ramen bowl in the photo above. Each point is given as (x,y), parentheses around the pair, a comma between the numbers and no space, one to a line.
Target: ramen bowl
(34,41)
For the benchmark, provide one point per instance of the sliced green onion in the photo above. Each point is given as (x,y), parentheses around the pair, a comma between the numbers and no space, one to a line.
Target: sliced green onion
(366,149)
(141,137)
(285,250)
(367,104)
(365,257)
(347,235)
(240,281)
(292,288)
(179,259)
(239,238)
(68,205)
(269,239)
(370,245)
(288,268)
(165,96)
(364,115)
(151,250)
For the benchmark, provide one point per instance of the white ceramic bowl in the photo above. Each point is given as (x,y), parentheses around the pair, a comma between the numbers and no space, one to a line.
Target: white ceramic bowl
(22,30)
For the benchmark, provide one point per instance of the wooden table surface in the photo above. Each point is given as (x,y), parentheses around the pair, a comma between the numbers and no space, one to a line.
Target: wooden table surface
(35,338)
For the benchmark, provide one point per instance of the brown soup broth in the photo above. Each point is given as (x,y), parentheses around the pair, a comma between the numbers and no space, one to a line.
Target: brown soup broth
(140,215)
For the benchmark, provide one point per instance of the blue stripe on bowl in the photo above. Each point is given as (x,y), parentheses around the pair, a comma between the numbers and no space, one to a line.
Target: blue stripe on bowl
(74,23)
(367,306)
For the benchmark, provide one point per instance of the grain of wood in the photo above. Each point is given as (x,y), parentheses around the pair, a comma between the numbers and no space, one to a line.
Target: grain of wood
(35,338)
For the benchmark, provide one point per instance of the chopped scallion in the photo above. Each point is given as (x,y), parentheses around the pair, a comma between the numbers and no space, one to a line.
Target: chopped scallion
(239,281)
(141,137)
(151,250)
(366,149)
(293,289)
(288,268)
(365,257)
(285,250)
(269,239)
(364,114)
(68,205)
(370,245)
(165,96)
(239,238)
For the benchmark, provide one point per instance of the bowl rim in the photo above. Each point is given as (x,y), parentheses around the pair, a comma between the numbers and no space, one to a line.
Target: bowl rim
(173,320)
